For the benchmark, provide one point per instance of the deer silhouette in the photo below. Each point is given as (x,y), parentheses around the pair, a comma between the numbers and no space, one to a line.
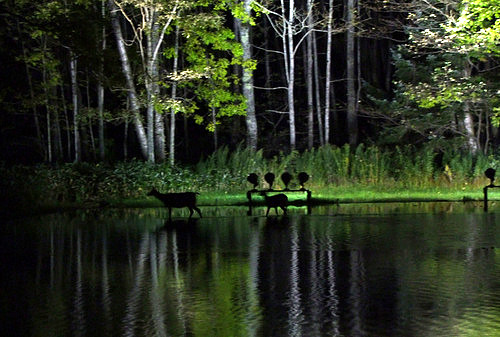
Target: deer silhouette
(275,201)
(177,200)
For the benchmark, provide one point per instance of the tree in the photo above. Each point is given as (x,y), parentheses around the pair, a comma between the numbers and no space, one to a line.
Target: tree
(287,24)
(328,70)
(352,116)
(100,86)
(148,32)
(130,83)
(309,78)
(245,22)
(210,51)
(444,89)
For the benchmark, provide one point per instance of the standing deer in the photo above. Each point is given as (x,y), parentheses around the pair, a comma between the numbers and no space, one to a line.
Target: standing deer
(177,200)
(275,201)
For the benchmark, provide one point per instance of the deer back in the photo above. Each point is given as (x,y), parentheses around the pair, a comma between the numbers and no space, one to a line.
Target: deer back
(178,200)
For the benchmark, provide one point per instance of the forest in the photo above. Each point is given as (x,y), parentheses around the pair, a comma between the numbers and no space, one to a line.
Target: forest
(401,86)
(175,80)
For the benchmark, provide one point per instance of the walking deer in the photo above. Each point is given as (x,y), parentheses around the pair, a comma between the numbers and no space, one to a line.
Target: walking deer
(177,200)
(275,201)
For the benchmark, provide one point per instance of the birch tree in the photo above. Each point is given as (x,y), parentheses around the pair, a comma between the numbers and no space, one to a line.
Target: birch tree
(328,70)
(171,151)
(309,79)
(245,22)
(148,27)
(288,25)
(135,106)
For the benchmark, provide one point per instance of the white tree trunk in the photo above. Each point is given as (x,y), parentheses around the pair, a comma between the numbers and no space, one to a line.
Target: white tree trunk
(317,91)
(328,71)
(127,72)
(309,81)
(247,79)
(291,73)
(151,81)
(469,121)
(174,95)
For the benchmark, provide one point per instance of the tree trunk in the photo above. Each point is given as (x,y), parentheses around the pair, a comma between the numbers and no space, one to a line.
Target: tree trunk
(468,120)
(289,53)
(247,79)
(125,133)
(151,79)
(358,63)
(174,96)
(267,62)
(74,96)
(46,102)
(100,90)
(328,72)
(125,140)
(57,130)
(67,125)
(159,129)
(127,72)
(160,143)
(309,80)
(317,91)
(90,120)
(49,136)
(352,118)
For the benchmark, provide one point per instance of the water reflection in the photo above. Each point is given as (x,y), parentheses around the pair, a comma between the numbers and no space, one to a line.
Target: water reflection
(130,273)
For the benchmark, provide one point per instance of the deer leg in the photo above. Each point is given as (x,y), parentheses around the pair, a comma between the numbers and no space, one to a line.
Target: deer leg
(198,210)
(267,211)
(190,212)
(169,213)
(284,210)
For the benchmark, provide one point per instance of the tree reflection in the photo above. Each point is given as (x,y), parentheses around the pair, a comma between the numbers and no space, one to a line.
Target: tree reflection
(257,276)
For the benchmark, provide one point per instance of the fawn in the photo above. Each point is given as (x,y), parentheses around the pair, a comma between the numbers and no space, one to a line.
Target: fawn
(275,201)
(177,200)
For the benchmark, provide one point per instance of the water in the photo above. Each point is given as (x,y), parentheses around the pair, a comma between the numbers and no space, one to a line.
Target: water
(359,270)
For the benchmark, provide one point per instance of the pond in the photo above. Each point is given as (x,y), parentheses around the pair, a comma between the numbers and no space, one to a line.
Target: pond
(348,270)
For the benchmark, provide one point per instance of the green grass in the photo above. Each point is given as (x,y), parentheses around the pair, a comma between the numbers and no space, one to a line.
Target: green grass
(337,174)
(351,194)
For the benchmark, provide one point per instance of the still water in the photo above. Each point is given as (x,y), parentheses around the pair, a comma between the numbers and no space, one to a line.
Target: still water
(373,270)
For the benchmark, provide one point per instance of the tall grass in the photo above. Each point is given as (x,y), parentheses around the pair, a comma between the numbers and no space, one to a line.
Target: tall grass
(226,171)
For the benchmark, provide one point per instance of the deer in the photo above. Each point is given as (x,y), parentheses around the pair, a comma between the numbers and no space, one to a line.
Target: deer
(177,200)
(275,201)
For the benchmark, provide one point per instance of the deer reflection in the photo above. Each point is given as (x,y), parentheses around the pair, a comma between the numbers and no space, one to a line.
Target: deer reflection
(278,222)
(181,224)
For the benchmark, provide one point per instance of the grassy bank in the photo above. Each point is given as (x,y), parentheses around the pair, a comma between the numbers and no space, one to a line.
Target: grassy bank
(337,174)
(331,196)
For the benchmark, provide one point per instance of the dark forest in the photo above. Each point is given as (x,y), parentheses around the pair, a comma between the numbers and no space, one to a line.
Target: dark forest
(172,81)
